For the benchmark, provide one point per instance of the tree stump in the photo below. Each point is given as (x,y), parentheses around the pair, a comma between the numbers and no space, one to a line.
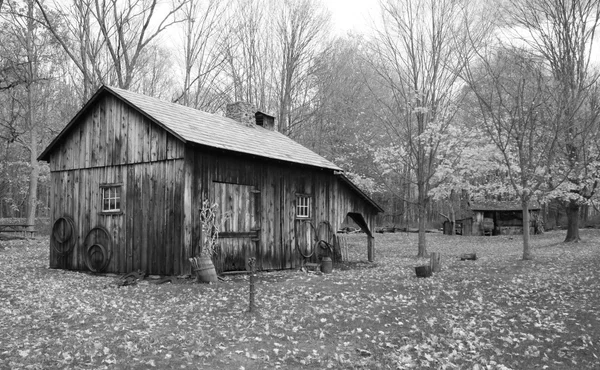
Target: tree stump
(423,271)
(434,262)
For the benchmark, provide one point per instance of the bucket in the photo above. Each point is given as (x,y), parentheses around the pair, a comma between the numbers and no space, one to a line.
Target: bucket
(326,265)
(206,270)
(423,271)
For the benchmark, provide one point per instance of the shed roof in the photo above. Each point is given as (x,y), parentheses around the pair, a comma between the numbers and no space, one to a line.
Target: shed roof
(503,206)
(194,126)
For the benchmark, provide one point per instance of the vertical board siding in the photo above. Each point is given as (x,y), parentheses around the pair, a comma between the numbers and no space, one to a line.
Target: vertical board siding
(159,228)
(145,236)
(164,182)
(235,245)
(112,133)
(278,186)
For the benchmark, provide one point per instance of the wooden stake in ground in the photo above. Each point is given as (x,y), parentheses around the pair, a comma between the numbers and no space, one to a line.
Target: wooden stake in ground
(434,262)
(251,265)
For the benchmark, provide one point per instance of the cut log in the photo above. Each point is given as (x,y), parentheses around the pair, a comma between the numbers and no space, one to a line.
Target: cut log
(468,257)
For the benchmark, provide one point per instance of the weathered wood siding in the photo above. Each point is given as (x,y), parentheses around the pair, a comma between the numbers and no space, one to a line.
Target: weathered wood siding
(146,235)
(163,183)
(113,133)
(277,186)
(114,144)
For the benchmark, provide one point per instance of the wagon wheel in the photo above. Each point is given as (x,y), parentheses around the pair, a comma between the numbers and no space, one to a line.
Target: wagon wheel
(97,249)
(306,247)
(63,235)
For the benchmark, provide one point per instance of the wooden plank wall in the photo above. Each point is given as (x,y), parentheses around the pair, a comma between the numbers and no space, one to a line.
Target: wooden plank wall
(113,143)
(112,133)
(147,235)
(163,185)
(278,185)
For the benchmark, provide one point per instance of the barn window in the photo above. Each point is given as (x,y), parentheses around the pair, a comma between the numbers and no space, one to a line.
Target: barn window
(111,197)
(302,206)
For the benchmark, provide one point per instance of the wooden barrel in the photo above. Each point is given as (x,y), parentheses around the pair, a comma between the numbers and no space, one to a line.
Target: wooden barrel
(326,265)
(206,270)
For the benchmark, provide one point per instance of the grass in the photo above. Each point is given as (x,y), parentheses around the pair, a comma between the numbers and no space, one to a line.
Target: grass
(498,312)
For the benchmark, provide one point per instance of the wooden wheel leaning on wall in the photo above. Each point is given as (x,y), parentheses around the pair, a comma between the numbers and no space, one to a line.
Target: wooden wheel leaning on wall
(97,249)
(63,235)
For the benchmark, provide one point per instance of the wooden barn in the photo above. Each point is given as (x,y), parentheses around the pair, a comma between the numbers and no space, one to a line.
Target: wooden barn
(129,174)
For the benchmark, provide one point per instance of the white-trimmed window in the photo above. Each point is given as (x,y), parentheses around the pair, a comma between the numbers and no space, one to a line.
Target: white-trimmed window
(302,206)
(111,197)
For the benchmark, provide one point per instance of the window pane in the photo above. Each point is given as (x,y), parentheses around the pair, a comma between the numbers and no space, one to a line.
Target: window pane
(302,206)
(111,198)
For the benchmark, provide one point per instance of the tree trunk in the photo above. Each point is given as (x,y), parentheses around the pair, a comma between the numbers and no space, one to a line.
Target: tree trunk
(526,249)
(35,169)
(572,222)
(422,214)
(33,181)
(453,220)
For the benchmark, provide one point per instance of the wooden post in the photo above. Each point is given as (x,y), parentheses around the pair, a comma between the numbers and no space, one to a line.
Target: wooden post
(434,262)
(252,290)
(342,246)
(370,248)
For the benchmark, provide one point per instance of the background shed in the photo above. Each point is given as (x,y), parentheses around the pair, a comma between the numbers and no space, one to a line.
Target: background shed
(504,218)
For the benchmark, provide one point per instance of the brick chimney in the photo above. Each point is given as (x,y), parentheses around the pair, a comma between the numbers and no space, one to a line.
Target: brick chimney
(242,112)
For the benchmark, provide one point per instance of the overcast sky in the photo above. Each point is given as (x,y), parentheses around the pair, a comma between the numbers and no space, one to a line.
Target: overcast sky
(351,15)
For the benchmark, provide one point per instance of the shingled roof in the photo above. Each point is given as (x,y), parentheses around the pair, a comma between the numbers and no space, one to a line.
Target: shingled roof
(503,206)
(212,130)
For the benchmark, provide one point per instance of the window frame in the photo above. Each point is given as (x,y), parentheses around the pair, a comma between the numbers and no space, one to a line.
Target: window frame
(303,206)
(114,199)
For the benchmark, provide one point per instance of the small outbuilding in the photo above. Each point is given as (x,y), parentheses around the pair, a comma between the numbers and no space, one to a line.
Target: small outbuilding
(493,218)
(502,218)
(129,174)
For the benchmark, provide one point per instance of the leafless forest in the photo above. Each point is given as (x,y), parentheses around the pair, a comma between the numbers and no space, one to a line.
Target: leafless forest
(441,102)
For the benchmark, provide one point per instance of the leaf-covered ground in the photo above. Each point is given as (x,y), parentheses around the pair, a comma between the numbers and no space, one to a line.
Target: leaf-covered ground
(494,313)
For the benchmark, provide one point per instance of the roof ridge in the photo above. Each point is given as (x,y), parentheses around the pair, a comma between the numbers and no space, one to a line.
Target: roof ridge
(218,131)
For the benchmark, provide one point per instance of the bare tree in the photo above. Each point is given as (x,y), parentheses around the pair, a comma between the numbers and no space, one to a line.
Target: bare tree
(72,27)
(127,29)
(117,29)
(156,75)
(249,53)
(301,27)
(562,32)
(204,28)
(417,55)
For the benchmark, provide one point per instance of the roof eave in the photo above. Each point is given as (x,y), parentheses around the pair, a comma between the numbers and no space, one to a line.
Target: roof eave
(352,185)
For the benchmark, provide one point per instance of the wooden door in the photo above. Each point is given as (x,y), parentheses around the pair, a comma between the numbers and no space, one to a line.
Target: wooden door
(239,236)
